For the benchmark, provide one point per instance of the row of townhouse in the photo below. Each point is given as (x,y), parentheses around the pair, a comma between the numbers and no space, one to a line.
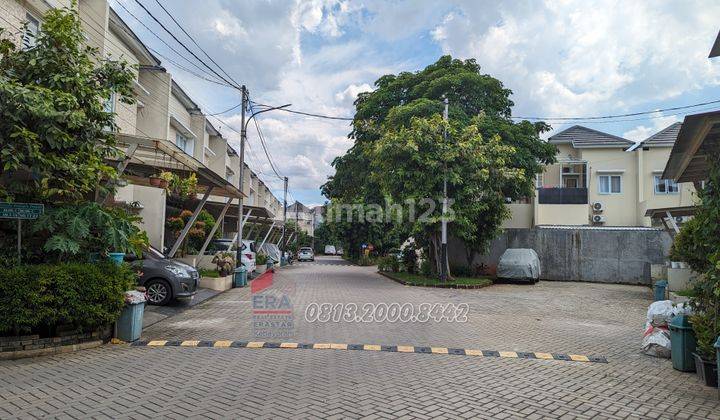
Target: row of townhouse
(603,180)
(164,130)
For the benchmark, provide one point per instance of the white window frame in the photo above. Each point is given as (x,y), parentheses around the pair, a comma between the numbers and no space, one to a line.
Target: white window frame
(609,179)
(667,182)
(29,41)
(539,180)
(179,137)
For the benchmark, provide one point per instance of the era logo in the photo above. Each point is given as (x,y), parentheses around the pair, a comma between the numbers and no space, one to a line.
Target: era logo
(271,302)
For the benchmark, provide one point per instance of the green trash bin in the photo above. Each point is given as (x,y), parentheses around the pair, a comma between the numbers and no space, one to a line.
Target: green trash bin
(240,277)
(130,322)
(659,290)
(682,343)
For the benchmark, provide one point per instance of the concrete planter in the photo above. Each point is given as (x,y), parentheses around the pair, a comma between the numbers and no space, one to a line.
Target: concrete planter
(216,283)
(680,279)
(260,269)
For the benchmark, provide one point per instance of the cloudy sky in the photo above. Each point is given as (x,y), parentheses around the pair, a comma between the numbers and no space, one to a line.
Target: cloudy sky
(561,58)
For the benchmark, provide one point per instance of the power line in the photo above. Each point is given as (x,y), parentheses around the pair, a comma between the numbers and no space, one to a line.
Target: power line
(632,114)
(163,41)
(309,114)
(227,110)
(195,42)
(264,146)
(184,46)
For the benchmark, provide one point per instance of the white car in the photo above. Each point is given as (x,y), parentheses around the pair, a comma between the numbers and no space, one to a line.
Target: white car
(247,258)
(329,249)
(306,254)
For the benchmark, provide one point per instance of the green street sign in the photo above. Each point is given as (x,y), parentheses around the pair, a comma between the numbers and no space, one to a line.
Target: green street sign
(21,210)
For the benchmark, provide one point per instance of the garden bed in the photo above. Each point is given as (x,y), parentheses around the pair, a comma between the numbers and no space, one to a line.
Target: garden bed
(19,347)
(455,283)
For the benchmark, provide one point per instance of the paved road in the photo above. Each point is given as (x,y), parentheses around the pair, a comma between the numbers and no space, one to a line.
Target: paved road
(552,317)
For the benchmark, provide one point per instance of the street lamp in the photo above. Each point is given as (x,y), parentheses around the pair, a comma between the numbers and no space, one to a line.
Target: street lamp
(243,136)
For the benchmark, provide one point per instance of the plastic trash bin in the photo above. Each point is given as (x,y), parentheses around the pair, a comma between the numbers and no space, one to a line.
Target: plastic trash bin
(116,257)
(682,344)
(659,289)
(129,325)
(240,277)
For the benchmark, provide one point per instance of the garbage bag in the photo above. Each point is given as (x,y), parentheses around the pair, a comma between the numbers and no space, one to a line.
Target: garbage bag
(133,297)
(656,342)
(519,263)
(661,312)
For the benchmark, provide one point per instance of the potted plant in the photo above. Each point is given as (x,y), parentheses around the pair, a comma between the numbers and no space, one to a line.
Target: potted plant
(155,180)
(261,263)
(225,263)
(705,328)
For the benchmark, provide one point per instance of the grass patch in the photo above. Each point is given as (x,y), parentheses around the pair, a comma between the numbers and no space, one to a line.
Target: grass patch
(420,280)
(686,293)
(209,273)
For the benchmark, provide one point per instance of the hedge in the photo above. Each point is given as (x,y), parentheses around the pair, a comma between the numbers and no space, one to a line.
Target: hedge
(39,298)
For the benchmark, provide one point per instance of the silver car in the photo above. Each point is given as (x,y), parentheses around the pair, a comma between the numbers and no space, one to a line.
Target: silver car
(306,254)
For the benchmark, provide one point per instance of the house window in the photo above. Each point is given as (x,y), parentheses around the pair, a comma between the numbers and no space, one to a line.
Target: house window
(184,143)
(665,186)
(32,27)
(610,184)
(109,105)
(229,175)
(539,180)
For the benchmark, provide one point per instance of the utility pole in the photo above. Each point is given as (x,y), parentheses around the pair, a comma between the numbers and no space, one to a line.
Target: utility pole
(443,246)
(297,226)
(243,136)
(282,237)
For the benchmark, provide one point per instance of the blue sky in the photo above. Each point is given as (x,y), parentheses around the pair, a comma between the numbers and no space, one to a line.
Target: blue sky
(561,58)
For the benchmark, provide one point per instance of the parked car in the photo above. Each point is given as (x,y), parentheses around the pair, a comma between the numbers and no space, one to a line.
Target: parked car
(247,258)
(330,250)
(164,279)
(519,264)
(396,253)
(338,251)
(306,254)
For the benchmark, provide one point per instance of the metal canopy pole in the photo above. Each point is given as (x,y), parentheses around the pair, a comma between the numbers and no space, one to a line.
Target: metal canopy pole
(120,169)
(268,234)
(189,224)
(220,221)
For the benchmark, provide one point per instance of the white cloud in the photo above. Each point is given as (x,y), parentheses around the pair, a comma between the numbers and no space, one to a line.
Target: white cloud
(578,57)
(351,92)
(642,131)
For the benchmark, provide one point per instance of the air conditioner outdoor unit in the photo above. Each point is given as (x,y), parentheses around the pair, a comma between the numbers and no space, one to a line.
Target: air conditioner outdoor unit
(680,219)
(598,218)
(598,206)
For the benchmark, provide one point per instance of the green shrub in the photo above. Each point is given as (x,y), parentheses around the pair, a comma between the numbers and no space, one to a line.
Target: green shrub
(388,263)
(425,267)
(261,259)
(365,261)
(39,298)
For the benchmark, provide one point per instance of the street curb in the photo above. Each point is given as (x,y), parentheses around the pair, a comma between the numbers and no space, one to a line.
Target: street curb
(438,286)
(49,351)
(372,347)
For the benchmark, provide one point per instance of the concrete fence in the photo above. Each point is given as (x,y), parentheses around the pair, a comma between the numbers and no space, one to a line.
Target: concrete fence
(574,253)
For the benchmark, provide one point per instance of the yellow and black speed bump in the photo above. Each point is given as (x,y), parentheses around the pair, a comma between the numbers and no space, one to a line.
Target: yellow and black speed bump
(371,347)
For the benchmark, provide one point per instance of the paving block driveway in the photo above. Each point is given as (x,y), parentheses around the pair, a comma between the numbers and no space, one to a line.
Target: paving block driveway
(550,317)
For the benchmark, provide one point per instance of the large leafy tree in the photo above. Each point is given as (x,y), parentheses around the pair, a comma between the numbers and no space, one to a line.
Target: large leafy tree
(407,164)
(55,132)
(55,138)
(476,100)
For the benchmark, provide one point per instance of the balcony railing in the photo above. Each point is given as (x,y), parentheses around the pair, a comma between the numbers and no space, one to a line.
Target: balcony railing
(562,195)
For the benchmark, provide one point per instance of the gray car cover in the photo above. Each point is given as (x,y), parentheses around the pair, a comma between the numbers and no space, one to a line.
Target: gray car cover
(519,263)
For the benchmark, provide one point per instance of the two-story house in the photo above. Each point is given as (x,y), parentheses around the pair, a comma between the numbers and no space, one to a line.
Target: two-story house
(602,180)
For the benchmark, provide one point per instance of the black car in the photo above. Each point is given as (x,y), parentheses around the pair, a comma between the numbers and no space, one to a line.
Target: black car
(164,279)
